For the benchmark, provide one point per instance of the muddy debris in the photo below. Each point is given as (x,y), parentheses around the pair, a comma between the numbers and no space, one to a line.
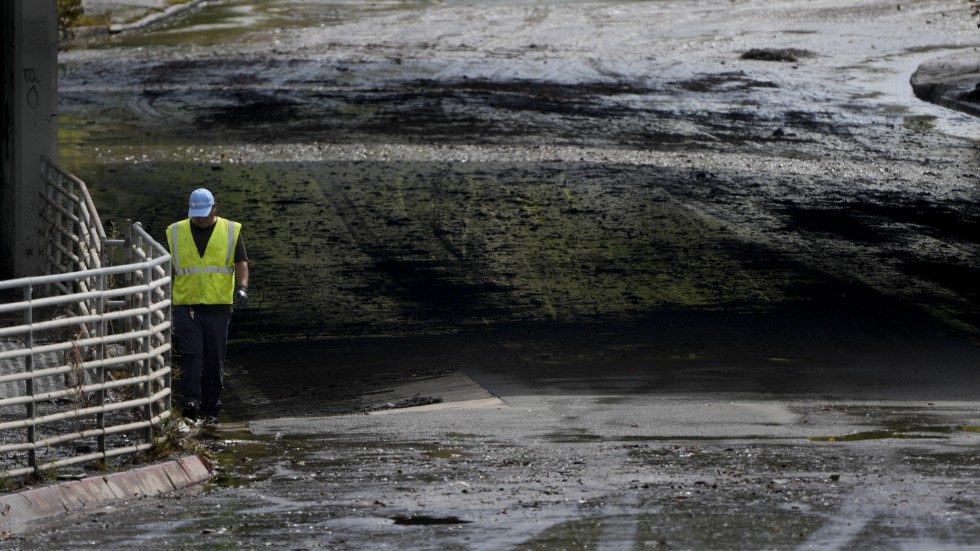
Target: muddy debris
(789,55)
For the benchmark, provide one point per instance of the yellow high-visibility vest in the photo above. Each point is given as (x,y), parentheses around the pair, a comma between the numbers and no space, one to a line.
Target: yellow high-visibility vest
(209,279)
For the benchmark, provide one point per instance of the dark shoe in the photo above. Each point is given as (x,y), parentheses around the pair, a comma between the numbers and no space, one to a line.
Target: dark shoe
(210,420)
(210,409)
(191,411)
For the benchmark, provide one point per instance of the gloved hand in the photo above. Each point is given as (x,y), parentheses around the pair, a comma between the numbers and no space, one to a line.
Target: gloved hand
(241,296)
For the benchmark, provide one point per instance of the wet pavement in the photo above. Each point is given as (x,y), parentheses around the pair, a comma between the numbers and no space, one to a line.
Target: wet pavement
(727,302)
(601,441)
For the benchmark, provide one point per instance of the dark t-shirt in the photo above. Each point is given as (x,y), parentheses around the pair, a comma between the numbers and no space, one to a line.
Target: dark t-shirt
(202,236)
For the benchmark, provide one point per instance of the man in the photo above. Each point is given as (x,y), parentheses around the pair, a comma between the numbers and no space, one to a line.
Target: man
(210,274)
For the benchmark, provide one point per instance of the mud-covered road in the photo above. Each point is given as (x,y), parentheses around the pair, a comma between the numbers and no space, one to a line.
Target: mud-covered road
(405,168)
(715,257)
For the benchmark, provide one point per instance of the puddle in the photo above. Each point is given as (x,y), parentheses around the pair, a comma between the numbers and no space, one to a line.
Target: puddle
(920,123)
(240,457)
(575,534)
(463,435)
(573,436)
(874,435)
(443,453)
(695,438)
(425,520)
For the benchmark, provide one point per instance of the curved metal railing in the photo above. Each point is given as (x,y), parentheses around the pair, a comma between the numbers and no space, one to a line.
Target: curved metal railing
(84,351)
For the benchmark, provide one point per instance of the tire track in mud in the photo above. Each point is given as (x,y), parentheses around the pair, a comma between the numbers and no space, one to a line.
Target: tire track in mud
(871,242)
(414,261)
(766,222)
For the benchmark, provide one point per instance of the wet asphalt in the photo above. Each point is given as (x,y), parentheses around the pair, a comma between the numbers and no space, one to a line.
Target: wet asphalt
(723,304)
(599,441)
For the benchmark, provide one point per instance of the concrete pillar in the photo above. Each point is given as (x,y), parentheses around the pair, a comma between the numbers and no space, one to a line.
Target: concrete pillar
(28,125)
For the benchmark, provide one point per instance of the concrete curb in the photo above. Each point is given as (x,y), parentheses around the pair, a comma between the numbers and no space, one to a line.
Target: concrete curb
(50,501)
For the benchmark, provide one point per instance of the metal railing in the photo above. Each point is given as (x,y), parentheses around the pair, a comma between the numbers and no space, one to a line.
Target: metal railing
(84,351)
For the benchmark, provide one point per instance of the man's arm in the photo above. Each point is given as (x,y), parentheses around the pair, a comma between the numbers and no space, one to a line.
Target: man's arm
(241,273)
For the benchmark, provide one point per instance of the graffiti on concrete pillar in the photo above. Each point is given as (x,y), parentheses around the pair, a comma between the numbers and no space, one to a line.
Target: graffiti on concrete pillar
(30,76)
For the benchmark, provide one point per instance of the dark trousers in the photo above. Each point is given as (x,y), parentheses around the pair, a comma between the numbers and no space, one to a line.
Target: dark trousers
(202,333)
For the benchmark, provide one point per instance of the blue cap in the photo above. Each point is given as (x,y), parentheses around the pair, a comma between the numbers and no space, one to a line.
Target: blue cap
(200,204)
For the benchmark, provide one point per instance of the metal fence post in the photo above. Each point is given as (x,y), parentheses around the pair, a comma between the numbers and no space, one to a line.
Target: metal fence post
(147,343)
(100,354)
(128,281)
(166,339)
(29,382)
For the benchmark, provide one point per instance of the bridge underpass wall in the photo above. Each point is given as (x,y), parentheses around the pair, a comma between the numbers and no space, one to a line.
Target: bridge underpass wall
(28,125)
